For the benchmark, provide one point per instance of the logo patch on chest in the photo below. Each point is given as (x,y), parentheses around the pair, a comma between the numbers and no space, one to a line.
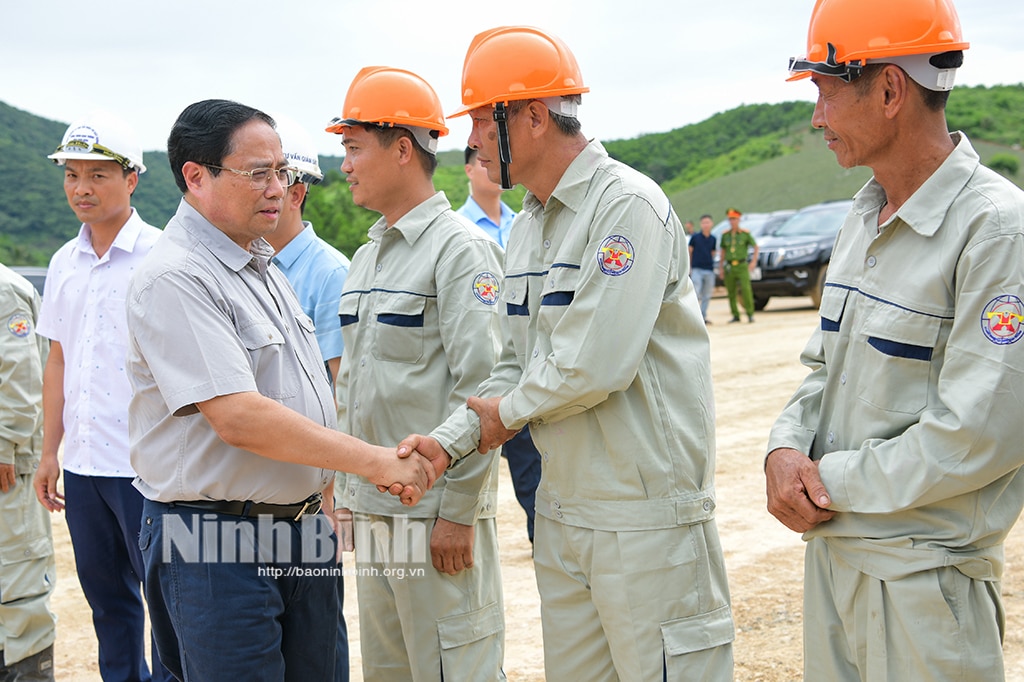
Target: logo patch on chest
(1002,321)
(615,257)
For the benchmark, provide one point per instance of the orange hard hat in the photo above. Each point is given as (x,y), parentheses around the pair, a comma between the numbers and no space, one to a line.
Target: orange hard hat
(845,34)
(517,62)
(384,96)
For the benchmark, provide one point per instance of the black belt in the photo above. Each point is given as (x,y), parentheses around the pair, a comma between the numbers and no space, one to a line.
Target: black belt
(247,509)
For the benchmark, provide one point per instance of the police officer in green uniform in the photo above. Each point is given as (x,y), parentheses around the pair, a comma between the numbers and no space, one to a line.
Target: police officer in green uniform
(28,569)
(737,264)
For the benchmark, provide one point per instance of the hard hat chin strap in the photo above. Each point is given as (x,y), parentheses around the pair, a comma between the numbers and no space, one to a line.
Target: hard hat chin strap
(504,150)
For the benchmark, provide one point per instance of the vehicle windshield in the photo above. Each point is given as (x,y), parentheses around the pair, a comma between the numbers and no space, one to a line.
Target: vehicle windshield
(821,222)
(772,225)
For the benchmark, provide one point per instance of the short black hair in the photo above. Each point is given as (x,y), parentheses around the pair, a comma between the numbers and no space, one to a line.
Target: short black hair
(706,215)
(568,125)
(388,135)
(470,154)
(203,133)
(934,100)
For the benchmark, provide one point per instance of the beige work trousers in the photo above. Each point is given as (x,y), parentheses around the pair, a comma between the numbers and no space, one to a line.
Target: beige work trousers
(416,623)
(932,625)
(640,606)
(28,573)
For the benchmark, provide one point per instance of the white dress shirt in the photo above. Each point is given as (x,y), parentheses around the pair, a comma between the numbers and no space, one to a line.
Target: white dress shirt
(84,310)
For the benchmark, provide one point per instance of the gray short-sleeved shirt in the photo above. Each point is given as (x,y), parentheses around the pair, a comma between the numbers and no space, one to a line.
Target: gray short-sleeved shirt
(207,318)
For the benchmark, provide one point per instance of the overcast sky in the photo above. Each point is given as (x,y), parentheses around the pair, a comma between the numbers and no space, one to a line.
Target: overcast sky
(652,65)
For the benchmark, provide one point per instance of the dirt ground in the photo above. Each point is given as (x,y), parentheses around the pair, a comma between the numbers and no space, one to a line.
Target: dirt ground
(755,369)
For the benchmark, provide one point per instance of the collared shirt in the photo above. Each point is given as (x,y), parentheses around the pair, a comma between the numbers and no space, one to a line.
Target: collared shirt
(84,310)
(498,233)
(914,400)
(418,315)
(606,355)
(703,251)
(736,246)
(206,319)
(316,270)
(22,356)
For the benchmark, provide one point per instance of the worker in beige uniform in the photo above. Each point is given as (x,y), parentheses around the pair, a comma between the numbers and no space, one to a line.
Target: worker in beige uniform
(28,572)
(232,421)
(898,457)
(606,357)
(418,315)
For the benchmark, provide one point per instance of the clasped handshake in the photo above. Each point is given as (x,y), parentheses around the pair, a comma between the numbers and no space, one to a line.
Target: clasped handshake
(420,460)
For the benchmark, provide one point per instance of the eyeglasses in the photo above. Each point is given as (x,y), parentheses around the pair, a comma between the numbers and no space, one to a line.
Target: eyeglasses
(259,178)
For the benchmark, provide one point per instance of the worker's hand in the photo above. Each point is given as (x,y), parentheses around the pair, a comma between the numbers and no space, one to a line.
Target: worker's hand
(796,494)
(342,522)
(8,477)
(451,546)
(405,477)
(429,448)
(426,448)
(493,433)
(45,484)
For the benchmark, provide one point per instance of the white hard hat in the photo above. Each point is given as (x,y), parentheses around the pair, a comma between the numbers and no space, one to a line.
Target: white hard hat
(298,149)
(100,136)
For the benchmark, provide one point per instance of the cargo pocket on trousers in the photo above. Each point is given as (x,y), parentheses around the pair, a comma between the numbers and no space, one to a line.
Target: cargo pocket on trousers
(472,642)
(694,646)
(26,570)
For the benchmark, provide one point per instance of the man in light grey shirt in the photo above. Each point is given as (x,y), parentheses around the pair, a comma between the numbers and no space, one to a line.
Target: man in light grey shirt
(232,421)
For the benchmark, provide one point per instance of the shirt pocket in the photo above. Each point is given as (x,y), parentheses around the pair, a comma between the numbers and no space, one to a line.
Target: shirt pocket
(273,364)
(897,347)
(558,293)
(833,305)
(348,309)
(831,312)
(112,322)
(514,296)
(399,327)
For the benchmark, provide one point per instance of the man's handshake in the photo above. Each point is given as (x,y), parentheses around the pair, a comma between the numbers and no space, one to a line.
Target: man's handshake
(412,468)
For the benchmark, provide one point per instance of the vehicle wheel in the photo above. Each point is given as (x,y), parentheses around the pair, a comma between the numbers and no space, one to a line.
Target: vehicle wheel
(819,286)
(760,303)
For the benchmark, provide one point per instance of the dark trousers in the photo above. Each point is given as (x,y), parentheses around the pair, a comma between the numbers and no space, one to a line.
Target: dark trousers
(524,468)
(234,598)
(341,647)
(103,515)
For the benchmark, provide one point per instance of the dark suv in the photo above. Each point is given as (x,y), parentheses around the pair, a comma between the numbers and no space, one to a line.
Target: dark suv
(793,261)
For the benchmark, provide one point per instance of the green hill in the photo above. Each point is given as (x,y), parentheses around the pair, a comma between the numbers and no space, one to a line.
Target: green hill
(757,157)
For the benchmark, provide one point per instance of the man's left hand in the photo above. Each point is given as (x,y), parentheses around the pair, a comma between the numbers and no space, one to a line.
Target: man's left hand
(8,477)
(451,546)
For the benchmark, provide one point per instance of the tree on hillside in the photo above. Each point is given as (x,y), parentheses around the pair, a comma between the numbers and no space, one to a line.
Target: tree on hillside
(664,156)
(1007,164)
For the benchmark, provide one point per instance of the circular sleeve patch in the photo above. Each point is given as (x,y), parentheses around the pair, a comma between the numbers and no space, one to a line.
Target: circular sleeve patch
(486,288)
(1002,321)
(615,257)
(20,325)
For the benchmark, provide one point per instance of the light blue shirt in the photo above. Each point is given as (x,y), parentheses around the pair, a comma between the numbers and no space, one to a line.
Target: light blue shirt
(498,233)
(317,271)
